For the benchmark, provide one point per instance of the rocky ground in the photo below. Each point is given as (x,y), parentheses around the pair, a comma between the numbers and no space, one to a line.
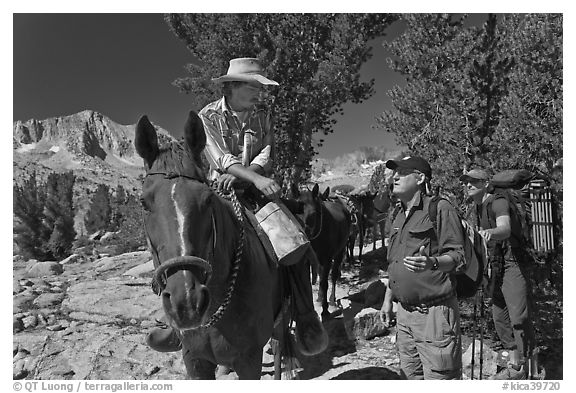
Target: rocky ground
(86,318)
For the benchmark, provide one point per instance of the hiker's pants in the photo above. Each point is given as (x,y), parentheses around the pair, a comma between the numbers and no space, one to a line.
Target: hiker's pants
(511,308)
(429,343)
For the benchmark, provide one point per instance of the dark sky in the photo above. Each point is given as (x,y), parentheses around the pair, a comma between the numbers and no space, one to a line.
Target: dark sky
(123,66)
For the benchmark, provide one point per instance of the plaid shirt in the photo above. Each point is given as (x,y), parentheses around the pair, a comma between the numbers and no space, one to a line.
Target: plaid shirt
(225,135)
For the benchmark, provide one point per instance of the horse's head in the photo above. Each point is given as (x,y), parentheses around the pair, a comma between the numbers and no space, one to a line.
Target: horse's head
(179,217)
(364,203)
(311,208)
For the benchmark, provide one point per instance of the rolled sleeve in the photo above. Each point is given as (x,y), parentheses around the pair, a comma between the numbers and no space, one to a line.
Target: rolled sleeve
(263,158)
(450,236)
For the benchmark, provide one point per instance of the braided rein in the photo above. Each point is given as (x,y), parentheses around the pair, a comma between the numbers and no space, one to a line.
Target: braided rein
(236,264)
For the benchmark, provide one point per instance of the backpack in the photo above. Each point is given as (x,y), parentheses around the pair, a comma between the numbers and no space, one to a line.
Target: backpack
(511,185)
(475,253)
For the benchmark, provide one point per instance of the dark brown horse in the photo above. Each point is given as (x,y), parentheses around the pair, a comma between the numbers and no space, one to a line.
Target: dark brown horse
(361,207)
(381,206)
(217,287)
(327,225)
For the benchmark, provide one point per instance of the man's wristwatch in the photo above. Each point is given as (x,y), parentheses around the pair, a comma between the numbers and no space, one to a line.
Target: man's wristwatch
(435,264)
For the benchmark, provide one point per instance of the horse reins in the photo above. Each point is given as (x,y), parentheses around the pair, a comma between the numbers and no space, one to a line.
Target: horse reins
(161,272)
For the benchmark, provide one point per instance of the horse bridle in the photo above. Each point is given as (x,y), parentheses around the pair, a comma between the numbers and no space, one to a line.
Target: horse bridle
(319,204)
(169,267)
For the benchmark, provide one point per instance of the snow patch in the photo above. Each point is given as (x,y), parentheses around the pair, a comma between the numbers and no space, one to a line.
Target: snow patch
(26,147)
(55,149)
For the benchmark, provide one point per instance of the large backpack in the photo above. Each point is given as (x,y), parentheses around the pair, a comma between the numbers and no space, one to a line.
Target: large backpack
(511,185)
(471,278)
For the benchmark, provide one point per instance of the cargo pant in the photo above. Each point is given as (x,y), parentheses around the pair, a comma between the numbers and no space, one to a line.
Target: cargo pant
(429,343)
(511,308)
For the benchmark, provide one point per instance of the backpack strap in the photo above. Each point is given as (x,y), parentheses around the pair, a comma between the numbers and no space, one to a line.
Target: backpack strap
(433,211)
(490,212)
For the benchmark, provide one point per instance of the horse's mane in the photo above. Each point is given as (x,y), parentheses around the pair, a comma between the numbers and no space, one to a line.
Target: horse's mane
(175,157)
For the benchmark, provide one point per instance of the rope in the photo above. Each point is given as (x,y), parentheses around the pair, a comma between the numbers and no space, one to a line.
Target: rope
(236,265)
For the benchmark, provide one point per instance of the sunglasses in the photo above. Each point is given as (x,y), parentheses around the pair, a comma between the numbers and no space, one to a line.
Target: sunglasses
(406,171)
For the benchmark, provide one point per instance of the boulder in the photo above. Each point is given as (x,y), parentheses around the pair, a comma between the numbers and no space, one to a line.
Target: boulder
(42,269)
(374,295)
(108,236)
(71,259)
(20,301)
(48,299)
(367,325)
(489,362)
(140,270)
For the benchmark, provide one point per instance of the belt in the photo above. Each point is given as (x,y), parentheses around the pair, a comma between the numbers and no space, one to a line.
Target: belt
(423,307)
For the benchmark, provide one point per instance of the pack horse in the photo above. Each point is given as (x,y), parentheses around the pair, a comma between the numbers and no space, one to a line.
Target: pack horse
(216,285)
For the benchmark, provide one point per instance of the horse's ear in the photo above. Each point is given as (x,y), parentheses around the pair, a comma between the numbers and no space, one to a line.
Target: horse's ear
(326,193)
(194,133)
(146,141)
(315,190)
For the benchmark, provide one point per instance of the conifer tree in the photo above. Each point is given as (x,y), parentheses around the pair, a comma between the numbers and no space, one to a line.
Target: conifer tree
(486,96)
(59,214)
(99,213)
(28,201)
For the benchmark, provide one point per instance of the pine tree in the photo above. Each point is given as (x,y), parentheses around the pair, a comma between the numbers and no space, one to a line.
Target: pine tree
(28,201)
(486,96)
(99,213)
(59,214)
(45,215)
(117,200)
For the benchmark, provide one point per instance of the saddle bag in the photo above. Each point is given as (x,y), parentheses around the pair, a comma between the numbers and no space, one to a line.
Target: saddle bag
(288,239)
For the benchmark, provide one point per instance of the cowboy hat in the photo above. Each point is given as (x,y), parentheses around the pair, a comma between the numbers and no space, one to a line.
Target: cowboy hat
(245,69)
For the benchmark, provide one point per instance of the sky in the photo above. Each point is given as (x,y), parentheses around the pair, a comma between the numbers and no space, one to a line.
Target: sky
(123,66)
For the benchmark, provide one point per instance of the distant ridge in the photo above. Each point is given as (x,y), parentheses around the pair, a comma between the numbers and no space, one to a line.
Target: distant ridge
(87,142)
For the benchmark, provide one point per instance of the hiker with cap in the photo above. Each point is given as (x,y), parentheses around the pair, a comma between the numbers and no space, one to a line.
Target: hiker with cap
(509,280)
(240,151)
(421,260)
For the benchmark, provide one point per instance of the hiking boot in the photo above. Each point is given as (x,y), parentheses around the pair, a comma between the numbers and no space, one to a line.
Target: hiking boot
(511,372)
(311,338)
(164,339)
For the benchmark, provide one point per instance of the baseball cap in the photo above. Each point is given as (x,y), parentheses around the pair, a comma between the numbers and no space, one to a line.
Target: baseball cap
(475,174)
(417,163)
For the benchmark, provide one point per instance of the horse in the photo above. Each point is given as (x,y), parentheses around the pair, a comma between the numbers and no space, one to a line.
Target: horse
(327,224)
(217,287)
(362,209)
(381,206)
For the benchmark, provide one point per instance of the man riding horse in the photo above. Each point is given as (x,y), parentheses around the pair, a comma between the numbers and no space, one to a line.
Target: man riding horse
(240,149)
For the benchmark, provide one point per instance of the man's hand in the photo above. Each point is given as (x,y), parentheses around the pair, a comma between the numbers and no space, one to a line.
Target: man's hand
(485,234)
(386,309)
(226,181)
(268,187)
(419,263)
